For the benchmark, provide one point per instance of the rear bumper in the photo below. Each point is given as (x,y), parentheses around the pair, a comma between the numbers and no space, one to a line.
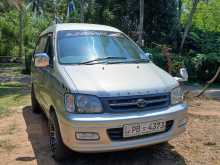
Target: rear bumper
(100,123)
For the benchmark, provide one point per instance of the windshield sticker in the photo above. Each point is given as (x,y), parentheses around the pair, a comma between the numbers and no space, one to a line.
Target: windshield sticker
(88,33)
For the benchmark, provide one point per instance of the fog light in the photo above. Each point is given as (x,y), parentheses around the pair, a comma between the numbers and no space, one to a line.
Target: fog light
(87,136)
(182,122)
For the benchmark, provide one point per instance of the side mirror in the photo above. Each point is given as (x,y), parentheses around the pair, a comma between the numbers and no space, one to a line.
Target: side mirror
(142,43)
(184,75)
(149,55)
(41,60)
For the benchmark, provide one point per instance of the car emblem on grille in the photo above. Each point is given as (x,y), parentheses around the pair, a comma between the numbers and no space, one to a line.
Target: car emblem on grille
(141,103)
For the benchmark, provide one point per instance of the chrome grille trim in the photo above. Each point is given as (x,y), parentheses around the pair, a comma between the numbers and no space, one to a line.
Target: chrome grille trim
(136,103)
(130,103)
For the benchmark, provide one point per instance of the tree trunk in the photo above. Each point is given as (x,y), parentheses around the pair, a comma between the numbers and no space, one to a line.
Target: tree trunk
(209,82)
(179,9)
(141,22)
(189,23)
(21,37)
(55,12)
(81,11)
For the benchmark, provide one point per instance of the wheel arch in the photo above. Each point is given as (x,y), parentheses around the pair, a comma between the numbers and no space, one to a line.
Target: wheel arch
(51,110)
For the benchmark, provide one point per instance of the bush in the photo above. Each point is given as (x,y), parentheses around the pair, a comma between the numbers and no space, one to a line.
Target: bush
(206,65)
(157,57)
(200,67)
(159,60)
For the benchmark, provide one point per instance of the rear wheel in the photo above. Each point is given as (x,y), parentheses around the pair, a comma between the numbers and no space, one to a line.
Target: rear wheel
(58,149)
(35,105)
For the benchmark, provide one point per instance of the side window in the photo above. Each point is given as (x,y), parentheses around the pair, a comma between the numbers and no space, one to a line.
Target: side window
(45,45)
(41,45)
(49,48)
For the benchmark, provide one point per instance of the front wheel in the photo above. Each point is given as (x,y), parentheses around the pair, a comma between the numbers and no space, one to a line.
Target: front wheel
(58,149)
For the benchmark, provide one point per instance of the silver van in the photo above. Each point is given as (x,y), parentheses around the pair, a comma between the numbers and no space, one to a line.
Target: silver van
(101,92)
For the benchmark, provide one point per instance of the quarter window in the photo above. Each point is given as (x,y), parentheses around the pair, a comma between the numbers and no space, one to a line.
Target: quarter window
(49,48)
(41,45)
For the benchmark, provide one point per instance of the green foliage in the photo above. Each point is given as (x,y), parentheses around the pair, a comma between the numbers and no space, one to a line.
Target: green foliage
(161,21)
(201,67)
(9,28)
(202,46)
(207,16)
(12,95)
(157,57)
(162,25)
(8,32)
(206,65)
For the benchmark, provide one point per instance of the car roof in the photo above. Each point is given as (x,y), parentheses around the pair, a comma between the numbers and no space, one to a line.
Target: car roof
(78,26)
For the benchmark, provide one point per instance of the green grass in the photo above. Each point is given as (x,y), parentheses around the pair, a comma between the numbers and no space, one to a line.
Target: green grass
(3,65)
(12,95)
(14,73)
(3,111)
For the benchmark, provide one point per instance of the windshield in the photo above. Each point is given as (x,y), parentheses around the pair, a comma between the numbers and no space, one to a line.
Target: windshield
(75,47)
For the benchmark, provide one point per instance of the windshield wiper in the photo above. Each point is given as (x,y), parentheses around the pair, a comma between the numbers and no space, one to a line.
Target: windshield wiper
(138,61)
(101,59)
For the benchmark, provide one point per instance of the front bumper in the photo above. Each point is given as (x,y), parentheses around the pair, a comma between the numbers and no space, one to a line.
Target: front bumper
(100,123)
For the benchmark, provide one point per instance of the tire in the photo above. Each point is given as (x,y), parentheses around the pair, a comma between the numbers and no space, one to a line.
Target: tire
(35,105)
(58,148)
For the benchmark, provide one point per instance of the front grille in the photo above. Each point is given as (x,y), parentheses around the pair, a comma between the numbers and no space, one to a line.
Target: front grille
(116,134)
(146,102)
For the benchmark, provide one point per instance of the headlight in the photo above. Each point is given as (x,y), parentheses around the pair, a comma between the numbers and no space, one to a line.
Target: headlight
(88,104)
(176,96)
(83,104)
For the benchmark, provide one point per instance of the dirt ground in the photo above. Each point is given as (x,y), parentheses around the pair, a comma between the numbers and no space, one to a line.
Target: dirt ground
(24,140)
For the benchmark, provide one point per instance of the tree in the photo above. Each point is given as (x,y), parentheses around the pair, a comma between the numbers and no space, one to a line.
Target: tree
(189,23)
(37,7)
(141,22)
(19,5)
(161,21)
(209,83)
(82,6)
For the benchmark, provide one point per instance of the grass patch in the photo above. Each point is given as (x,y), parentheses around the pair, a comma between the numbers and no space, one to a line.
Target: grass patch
(3,111)
(3,65)
(11,74)
(12,95)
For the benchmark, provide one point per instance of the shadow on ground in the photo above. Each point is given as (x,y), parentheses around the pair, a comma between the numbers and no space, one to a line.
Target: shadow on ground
(38,136)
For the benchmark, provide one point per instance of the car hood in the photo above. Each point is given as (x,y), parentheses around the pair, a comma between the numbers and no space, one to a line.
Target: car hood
(110,80)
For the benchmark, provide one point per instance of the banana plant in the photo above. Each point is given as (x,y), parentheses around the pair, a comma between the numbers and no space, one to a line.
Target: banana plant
(22,8)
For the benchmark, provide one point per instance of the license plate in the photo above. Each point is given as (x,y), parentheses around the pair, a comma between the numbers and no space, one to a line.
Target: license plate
(138,129)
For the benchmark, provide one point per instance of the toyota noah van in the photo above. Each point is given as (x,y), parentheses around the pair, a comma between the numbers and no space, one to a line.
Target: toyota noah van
(101,92)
